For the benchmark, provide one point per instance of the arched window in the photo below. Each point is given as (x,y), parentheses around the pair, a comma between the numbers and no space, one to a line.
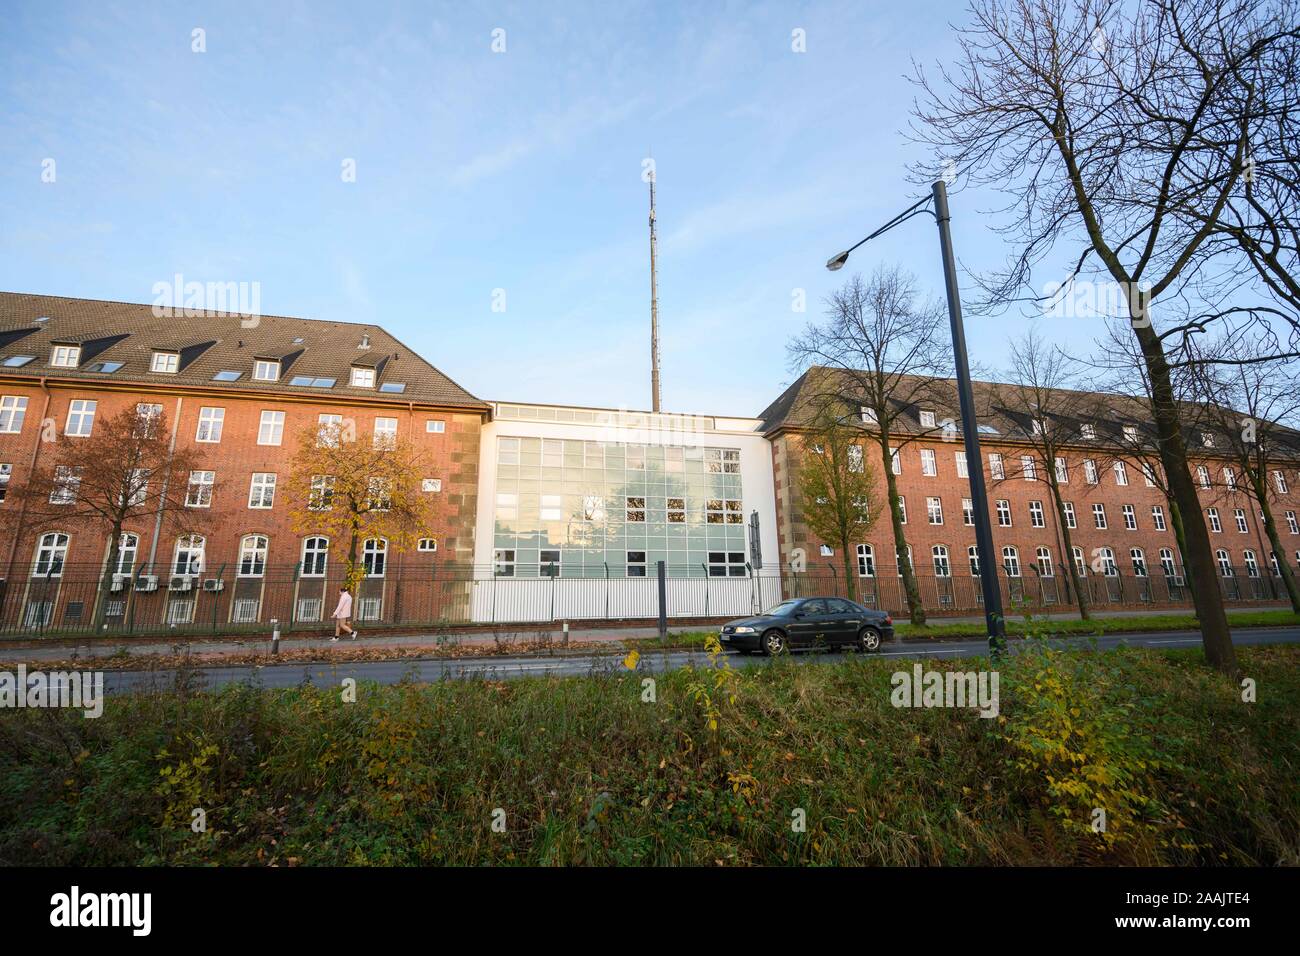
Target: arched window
(898,555)
(942,569)
(1272,560)
(315,554)
(374,555)
(1167,562)
(1080,564)
(1108,566)
(1011,561)
(51,553)
(973,556)
(1225,563)
(1139,562)
(1252,566)
(127,549)
(189,554)
(252,556)
(1044,556)
(866,561)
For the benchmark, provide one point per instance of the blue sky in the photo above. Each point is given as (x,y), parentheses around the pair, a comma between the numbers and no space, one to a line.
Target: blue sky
(478,171)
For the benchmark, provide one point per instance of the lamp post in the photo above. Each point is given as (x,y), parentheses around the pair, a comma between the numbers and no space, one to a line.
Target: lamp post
(995,622)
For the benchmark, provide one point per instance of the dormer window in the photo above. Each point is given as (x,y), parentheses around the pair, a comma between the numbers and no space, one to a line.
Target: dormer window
(363,377)
(65,356)
(1130,433)
(167,363)
(1088,432)
(1207,439)
(266,370)
(868,415)
(927,419)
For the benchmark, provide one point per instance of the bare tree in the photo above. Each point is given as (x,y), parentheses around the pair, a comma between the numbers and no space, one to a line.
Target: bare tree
(1159,136)
(884,350)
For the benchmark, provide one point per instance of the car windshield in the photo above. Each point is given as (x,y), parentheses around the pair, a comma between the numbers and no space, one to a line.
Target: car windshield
(785,607)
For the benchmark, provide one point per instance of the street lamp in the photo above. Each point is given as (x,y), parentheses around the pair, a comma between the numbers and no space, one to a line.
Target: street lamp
(995,622)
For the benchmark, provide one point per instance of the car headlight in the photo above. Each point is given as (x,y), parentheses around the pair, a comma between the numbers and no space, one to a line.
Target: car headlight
(744,630)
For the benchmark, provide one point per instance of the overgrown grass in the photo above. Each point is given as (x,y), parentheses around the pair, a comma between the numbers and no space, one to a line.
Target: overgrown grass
(584,771)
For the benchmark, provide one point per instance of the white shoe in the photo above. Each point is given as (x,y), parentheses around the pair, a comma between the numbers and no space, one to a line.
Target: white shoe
(355,635)
(334,640)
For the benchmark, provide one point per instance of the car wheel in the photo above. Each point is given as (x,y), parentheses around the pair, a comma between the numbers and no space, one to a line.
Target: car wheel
(774,643)
(869,640)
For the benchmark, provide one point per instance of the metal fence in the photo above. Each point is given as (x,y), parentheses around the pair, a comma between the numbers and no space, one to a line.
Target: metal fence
(75,600)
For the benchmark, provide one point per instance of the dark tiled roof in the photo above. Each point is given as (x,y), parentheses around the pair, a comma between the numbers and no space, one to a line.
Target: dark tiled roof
(130,333)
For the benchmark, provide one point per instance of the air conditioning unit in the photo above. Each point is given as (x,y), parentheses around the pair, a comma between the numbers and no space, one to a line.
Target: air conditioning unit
(119,582)
(146,582)
(180,582)
(214,584)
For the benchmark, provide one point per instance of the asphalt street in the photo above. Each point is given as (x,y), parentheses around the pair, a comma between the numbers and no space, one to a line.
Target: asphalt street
(508,668)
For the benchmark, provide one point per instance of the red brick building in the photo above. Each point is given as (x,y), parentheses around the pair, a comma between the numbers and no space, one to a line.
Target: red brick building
(239,390)
(1122,521)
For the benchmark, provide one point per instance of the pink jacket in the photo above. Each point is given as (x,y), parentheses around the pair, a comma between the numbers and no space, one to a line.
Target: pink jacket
(344,609)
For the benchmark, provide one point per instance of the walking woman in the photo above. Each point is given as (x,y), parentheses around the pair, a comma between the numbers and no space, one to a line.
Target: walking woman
(343,614)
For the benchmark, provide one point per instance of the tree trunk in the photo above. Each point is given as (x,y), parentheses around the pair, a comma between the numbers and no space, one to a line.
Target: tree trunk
(1260,483)
(850,591)
(1180,536)
(1206,595)
(106,579)
(1080,596)
(916,612)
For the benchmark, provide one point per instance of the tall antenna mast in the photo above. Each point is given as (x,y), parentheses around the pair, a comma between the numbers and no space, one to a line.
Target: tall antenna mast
(654,304)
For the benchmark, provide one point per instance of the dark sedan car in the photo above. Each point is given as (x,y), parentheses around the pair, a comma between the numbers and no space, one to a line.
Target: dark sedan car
(808,622)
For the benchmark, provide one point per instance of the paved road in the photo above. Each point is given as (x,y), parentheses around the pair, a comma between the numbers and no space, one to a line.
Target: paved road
(506,668)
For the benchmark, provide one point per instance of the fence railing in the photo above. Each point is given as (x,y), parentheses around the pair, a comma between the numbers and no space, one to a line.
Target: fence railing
(76,601)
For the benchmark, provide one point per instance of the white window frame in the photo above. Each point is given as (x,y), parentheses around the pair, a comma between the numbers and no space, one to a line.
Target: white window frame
(165,363)
(84,410)
(363,376)
(963,468)
(934,509)
(1212,515)
(1003,507)
(1071,519)
(996,469)
(385,432)
(248,565)
(214,418)
(1090,471)
(318,547)
(929,467)
(1158,517)
(65,356)
(1036,517)
(1130,517)
(266,370)
(13,412)
(270,427)
(1099,516)
(261,486)
(203,482)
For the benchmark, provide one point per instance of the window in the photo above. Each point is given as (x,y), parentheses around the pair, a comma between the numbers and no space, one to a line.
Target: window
(1070,520)
(963,470)
(1099,516)
(227,375)
(673,459)
(1167,562)
(271,429)
(676,510)
(1108,566)
(435,426)
(128,546)
(1272,561)
(928,466)
(551,508)
(942,569)
(548,563)
(1240,515)
(321,495)
(1252,567)
(199,493)
(1291,523)
(635,564)
(427,544)
(503,562)
(1158,517)
(934,510)
(1230,478)
(1011,561)
(266,370)
(17,361)
(726,564)
(362,377)
(1088,432)
(868,415)
(1036,514)
(1279,482)
(66,484)
(261,492)
(1080,565)
(898,556)
(1203,476)
(1121,473)
(1036,427)
(81,418)
(995,466)
(189,554)
(902,509)
(1028,467)
(65,356)
(1004,513)
(386,433)
(6,472)
(1062,471)
(315,554)
(866,561)
(927,419)
(397,387)
(1139,562)
(855,458)
(210,422)
(1130,518)
(311,381)
(13,409)
(168,363)
(252,556)
(147,418)
(1130,434)
(379,493)
(374,557)
(634,511)
(553,455)
(967,513)
(1225,563)
(1148,475)
(432,485)
(1044,556)
(716,511)
(51,553)
(1090,471)
(1207,439)
(1213,515)
(973,556)
(895,462)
